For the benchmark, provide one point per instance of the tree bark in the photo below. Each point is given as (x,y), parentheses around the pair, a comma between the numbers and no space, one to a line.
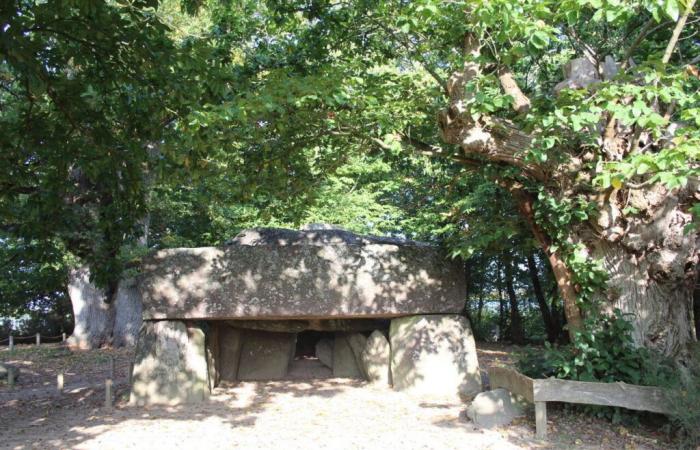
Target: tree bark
(517,334)
(479,312)
(652,272)
(97,322)
(549,323)
(501,308)
(651,262)
(696,304)
(562,274)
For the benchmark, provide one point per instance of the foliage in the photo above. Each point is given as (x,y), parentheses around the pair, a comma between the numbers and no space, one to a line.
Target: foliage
(603,352)
(201,118)
(684,396)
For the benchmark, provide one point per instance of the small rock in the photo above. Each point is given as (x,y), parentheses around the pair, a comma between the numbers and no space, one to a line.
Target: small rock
(494,408)
(4,368)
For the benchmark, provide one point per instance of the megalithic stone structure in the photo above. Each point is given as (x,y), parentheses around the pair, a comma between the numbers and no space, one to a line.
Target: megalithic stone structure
(195,298)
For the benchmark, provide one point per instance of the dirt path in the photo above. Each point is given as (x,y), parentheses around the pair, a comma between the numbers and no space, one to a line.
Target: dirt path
(293,414)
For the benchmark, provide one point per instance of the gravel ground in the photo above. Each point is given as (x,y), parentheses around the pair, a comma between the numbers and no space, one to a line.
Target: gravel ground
(294,414)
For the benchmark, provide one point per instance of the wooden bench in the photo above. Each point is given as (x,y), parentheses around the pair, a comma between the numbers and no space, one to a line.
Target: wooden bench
(541,391)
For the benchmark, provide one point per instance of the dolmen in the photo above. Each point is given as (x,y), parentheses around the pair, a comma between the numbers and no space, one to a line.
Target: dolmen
(386,310)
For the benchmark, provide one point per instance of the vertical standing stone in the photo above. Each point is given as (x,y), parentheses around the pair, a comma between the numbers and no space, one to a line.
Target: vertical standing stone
(345,363)
(213,359)
(265,355)
(434,356)
(170,365)
(376,359)
(230,344)
(324,351)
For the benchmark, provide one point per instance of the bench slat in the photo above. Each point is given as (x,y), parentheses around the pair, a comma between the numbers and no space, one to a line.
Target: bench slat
(640,398)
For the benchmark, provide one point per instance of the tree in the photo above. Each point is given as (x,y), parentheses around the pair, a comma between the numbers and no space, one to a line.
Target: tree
(265,104)
(602,169)
(85,88)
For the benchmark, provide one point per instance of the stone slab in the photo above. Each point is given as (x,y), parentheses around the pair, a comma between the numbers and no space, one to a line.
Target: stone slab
(212,350)
(344,360)
(434,356)
(265,355)
(376,359)
(301,275)
(170,365)
(230,344)
(324,351)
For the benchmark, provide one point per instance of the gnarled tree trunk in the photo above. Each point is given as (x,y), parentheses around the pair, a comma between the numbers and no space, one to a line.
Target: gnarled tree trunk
(651,272)
(651,262)
(98,322)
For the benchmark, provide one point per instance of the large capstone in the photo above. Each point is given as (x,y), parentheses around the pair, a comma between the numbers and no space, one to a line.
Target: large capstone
(315,274)
(434,356)
(170,364)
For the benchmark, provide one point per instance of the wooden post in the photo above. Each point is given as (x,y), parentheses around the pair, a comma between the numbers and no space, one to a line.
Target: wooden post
(12,343)
(108,393)
(63,337)
(541,419)
(38,339)
(59,382)
(10,377)
(111,367)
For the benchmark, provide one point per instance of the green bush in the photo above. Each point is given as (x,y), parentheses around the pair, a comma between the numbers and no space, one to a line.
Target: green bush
(604,352)
(684,398)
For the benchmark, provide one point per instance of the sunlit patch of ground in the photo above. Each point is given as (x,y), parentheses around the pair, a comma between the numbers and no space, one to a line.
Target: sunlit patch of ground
(294,414)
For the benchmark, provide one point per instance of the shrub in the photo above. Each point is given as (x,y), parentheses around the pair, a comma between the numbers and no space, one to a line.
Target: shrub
(684,398)
(604,352)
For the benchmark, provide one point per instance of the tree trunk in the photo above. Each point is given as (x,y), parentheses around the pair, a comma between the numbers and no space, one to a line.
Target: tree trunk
(98,323)
(547,318)
(562,274)
(501,308)
(652,270)
(127,320)
(696,304)
(517,334)
(479,312)
(650,261)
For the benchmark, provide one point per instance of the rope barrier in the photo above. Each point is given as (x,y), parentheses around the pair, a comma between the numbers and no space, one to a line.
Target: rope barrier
(33,336)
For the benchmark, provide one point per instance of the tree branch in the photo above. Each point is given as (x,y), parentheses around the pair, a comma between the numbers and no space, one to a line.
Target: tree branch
(677,32)
(521,103)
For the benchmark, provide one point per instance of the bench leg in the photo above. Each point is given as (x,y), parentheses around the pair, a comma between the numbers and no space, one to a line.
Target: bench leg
(541,419)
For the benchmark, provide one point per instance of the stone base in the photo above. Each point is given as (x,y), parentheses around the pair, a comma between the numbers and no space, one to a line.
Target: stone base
(170,365)
(434,356)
